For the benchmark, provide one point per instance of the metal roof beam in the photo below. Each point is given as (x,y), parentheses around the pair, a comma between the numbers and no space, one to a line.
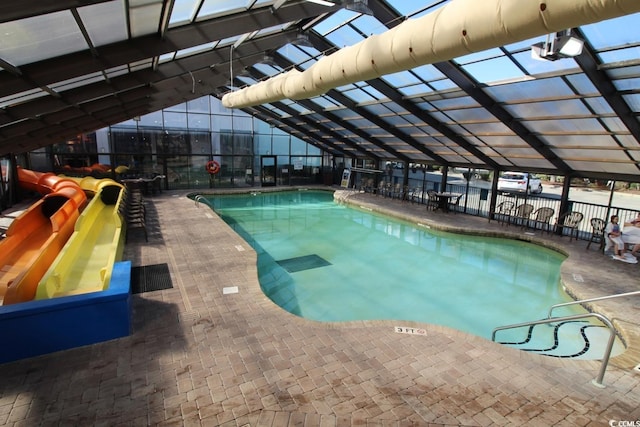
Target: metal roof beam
(397,97)
(473,89)
(590,65)
(310,105)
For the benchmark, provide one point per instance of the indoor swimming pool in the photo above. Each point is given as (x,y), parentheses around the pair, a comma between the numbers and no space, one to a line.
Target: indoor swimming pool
(330,262)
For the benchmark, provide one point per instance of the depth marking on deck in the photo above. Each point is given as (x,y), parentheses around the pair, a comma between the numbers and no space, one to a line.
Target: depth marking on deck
(208,215)
(423,225)
(239,248)
(410,331)
(578,278)
(230,290)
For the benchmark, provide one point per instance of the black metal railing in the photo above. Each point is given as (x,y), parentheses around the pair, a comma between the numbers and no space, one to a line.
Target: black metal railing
(476,199)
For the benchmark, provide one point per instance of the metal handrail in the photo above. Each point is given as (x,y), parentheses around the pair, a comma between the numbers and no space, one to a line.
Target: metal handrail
(201,199)
(607,353)
(563,304)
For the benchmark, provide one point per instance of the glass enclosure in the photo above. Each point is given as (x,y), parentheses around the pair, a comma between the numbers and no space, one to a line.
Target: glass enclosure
(179,141)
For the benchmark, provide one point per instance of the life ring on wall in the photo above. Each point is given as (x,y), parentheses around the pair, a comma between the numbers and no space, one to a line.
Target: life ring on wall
(212,167)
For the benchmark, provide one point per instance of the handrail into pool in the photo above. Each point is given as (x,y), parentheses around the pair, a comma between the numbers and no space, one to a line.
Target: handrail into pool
(200,199)
(607,353)
(563,304)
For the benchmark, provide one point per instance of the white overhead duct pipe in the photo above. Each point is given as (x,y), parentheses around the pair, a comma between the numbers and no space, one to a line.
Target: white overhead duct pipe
(456,29)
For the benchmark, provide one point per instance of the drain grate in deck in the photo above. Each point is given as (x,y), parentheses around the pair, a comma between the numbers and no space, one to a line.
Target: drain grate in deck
(150,278)
(302,263)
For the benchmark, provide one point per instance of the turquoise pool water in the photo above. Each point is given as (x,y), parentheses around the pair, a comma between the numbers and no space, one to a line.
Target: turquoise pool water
(325,261)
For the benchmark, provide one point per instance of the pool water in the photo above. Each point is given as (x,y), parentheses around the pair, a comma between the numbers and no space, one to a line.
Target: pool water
(325,261)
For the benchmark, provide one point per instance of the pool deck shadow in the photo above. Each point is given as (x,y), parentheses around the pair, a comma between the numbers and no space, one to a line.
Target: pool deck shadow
(202,356)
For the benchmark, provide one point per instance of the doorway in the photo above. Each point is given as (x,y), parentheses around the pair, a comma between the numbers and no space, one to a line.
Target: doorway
(268,170)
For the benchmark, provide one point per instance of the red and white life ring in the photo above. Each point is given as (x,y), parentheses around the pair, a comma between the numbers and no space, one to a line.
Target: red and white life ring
(212,167)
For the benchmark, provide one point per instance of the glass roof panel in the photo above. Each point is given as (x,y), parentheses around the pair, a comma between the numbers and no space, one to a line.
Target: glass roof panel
(494,70)
(194,50)
(145,19)
(183,12)
(603,167)
(612,32)
(39,37)
(77,82)
(563,108)
(452,103)
(633,101)
(565,125)
(139,65)
(401,79)
(481,129)
(582,84)
(614,124)
(324,102)
(333,21)
(369,25)
(428,73)
(214,8)
(417,9)
(20,97)
(620,55)
(298,54)
(479,56)
(537,66)
(419,89)
(471,114)
(105,22)
(361,95)
(444,84)
(531,89)
(344,36)
(599,105)
(624,72)
(627,84)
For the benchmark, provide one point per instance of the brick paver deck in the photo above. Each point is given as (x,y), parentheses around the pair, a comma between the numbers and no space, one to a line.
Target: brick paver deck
(197,356)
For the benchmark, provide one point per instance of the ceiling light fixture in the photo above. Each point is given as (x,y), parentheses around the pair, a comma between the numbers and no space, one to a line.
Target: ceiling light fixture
(557,46)
(358,6)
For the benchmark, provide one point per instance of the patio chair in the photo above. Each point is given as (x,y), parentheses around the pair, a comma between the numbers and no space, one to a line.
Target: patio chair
(454,202)
(521,214)
(502,212)
(571,221)
(542,217)
(383,188)
(397,192)
(415,195)
(597,233)
(366,185)
(432,200)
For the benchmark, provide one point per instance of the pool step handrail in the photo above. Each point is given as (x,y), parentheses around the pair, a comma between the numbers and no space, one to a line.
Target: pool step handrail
(564,304)
(607,352)
(201,199)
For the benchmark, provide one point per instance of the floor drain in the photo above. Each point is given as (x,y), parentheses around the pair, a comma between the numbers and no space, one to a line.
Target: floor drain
(188,316)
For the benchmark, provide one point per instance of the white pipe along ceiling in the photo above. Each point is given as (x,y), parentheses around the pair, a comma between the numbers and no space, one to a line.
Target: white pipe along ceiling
(456,29)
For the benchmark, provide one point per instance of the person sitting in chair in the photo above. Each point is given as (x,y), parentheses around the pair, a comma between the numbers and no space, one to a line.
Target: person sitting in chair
(631,234)
(614,233)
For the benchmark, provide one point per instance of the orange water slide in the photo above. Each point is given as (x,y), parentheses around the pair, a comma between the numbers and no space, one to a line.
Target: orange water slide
(35,238)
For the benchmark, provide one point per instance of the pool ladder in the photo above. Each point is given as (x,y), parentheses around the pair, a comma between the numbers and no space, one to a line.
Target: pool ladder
(612,333)
(200,199)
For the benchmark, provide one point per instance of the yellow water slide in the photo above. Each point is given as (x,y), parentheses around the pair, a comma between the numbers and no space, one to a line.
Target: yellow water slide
(86,262)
